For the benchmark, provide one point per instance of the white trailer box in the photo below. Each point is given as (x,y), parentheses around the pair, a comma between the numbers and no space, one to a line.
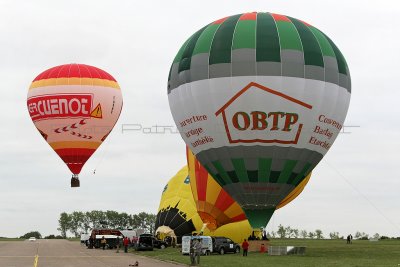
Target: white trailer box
(206,244)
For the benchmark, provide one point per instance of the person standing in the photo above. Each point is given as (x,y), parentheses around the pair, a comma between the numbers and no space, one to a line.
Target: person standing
(245,247)
(103,242)
(198,250)
(118,244)
(192,252)
(262,248)
(126,244)
(348,239)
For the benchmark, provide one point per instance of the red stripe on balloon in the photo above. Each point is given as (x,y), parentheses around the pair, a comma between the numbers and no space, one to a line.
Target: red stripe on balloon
(75,158)
(224,201)
(201,180)
(249,16)
(239,218)
(74,71)
(278,17)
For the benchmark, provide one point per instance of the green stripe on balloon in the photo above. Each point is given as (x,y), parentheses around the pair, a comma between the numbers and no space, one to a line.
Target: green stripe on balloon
(312,51)
(245,35)
(287,171)
(240,170)
(258,217)
(288,36)
(204,41)
(222,173)
(264,169)
(222,44)
(304,172)
(186,57)
(342,65)
(268,47)
(326,47)
(180,52)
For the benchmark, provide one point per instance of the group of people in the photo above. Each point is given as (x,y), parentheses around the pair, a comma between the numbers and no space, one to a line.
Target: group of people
(245,248)
(349,239)
(103,243)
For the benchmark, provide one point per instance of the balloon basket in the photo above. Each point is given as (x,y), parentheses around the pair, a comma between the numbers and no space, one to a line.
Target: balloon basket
(75,181)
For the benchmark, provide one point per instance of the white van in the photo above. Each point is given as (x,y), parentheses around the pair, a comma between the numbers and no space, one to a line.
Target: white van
(206,243)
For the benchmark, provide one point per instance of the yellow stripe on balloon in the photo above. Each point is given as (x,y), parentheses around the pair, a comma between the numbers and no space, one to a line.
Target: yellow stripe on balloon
(292,195)
(192,174)
(74,81)
(213,190)
(75,144)
(234,210)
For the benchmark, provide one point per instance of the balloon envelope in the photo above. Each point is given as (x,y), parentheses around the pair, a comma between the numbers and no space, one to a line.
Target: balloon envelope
(214,205)
(74,107)
(177,214)
(259,98)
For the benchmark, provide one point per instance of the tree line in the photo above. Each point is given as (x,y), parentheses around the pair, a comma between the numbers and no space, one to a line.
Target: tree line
(289,232)
(78,222)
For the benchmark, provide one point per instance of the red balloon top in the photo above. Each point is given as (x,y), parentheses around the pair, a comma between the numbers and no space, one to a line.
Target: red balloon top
(74,71)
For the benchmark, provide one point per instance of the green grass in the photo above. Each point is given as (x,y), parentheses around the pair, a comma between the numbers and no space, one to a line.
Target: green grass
(319,253)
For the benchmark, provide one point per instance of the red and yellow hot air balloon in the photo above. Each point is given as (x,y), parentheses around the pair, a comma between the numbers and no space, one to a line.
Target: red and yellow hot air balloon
(214,205)
(74,107)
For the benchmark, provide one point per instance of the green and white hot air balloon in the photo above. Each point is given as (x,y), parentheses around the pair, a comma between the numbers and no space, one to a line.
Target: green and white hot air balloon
(259,98)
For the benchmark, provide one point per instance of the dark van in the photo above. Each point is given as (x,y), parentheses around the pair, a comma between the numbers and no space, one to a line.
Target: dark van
(224,245)
(144,242)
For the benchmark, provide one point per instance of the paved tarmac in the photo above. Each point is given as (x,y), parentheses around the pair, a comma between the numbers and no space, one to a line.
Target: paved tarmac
(63,253)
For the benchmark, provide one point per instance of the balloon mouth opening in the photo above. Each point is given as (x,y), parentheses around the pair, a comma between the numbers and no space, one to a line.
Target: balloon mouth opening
(210,221)
(75,181)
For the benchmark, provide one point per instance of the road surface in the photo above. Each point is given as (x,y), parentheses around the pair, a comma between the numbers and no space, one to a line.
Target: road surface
(63,253)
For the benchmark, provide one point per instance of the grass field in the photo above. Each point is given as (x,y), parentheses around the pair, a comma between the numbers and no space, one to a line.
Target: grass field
(319,253)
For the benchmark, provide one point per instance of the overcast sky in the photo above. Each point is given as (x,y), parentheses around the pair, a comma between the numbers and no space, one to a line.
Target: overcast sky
(354,188)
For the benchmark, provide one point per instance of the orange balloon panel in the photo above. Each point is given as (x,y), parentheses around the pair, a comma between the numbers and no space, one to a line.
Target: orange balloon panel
(74,107)
(214,205)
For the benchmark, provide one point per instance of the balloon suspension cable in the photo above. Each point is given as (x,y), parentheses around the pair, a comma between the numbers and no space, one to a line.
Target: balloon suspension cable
(102,156)
(75,180)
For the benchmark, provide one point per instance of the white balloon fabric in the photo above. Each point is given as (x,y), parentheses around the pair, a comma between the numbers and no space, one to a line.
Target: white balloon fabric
(259,98)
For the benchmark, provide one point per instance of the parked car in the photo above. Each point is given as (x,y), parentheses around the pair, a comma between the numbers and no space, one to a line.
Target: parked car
(157,243)
(32,239)
(145,242)
(224,245)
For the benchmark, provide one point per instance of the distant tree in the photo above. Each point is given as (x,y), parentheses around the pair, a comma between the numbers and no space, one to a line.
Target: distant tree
(361,235)
(295,233)
(281,231)
(311,235)
(35,234)
(50,237)
(288,232)
(334,235)
(318,234)
(271,234)
(64,224)
(124,221)
(376,236)
(303,234)
(77,222)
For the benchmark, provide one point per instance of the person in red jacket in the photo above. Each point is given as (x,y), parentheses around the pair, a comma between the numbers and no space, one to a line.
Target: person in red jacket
(245,247)
(126,244)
